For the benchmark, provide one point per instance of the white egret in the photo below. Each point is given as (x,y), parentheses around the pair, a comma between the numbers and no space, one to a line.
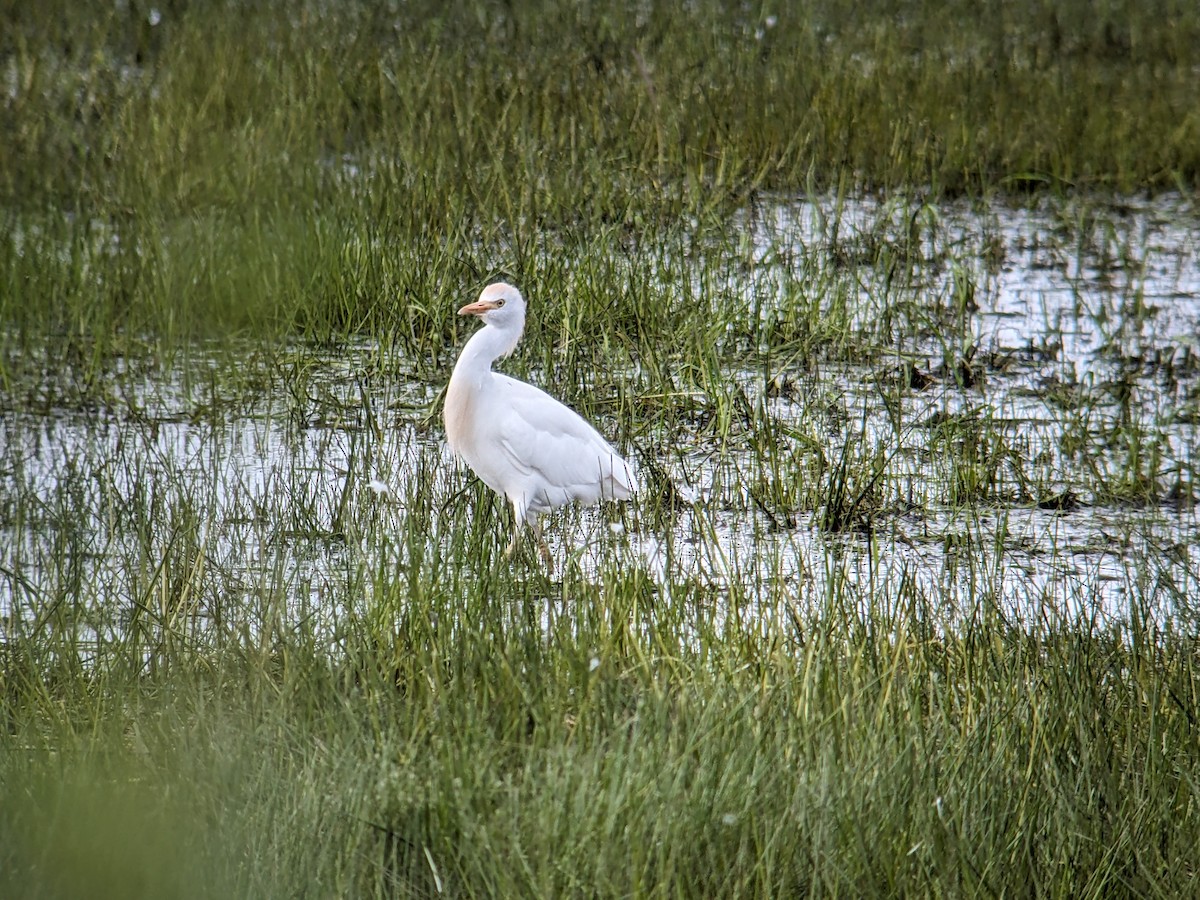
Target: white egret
(520,441)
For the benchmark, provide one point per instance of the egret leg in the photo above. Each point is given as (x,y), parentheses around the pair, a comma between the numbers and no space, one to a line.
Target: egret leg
(518,519)
(536,527)
(515,542)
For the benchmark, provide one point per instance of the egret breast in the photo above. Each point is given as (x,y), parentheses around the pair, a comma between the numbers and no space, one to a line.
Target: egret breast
(457,415)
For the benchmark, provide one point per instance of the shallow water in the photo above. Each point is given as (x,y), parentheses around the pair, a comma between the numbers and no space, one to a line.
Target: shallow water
(1034,449)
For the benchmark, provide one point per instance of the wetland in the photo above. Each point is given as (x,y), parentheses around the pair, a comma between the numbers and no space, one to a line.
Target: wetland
(895,311)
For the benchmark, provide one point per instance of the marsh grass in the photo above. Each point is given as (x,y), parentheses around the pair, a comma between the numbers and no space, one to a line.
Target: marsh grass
(480,749)
(265,169)
(192,710)
(257,635)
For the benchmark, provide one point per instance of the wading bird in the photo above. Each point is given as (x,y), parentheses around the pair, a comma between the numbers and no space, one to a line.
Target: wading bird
(520,441)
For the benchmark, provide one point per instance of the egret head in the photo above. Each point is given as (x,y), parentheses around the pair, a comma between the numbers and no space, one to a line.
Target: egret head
(500,304)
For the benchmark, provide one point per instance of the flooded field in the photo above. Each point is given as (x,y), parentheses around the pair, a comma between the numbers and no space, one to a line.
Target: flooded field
(895,316)
(1010,423)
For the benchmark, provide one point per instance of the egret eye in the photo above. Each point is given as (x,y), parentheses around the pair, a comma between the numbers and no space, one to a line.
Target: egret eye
(499,303)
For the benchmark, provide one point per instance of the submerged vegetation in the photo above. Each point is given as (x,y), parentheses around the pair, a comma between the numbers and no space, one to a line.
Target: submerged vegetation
(893,305)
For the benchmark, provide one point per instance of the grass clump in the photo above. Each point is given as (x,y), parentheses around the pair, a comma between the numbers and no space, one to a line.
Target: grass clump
(467,749)
(197,170)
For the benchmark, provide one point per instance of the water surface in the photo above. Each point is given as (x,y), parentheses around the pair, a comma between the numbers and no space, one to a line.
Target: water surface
(1031,413)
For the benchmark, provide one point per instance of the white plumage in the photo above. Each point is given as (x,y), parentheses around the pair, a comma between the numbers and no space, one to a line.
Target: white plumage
(519,440)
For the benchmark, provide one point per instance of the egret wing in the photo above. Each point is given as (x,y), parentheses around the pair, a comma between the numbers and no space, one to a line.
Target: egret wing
(548,441)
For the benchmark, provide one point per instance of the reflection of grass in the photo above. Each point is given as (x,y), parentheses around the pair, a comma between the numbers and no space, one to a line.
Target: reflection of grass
(225,679)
